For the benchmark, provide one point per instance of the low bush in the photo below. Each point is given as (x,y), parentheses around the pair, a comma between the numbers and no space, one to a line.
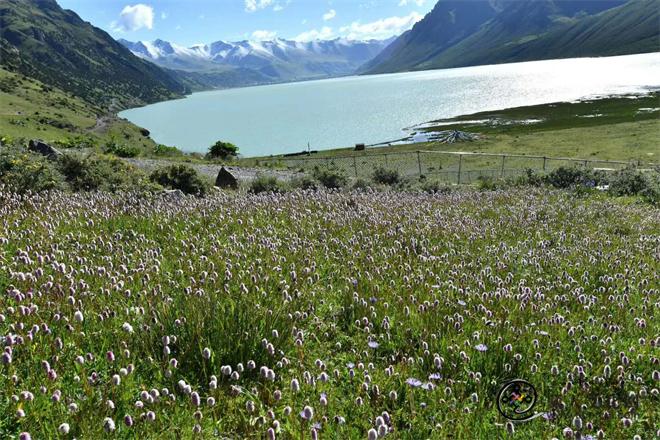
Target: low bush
(265,183)
(120,150)
(98,173)
(628,182)
(77,141)
(385,176)
(487,183)
(181,177)
(164,150)
(360,184)
(568,177)
(25,172)
(434,187)
(330,178)
(304,182)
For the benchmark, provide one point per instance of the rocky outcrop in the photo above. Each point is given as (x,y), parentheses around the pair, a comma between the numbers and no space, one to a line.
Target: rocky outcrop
(226,179)
(41,147)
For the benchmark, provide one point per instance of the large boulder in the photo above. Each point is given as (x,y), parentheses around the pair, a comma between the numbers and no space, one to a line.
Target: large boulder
(226,179)
(41,147)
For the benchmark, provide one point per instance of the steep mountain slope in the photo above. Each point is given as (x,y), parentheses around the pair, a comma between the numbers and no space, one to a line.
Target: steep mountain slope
(635,27)
(522,30)
(55,46)
(225,63)
(449,22)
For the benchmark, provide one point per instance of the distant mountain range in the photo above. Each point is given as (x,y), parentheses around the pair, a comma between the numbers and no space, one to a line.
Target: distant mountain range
(460,33)
(222,64)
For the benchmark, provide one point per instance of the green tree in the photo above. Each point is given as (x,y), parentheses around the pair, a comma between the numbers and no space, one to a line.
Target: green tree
(222,150)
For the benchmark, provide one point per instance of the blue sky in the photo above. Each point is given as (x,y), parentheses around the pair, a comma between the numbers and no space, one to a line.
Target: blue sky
(189,22)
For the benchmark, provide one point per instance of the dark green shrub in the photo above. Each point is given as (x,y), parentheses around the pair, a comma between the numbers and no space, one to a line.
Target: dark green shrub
(265,183)
(164,150)
(180,177)
(23,172)
(386,177)
(222,150)
(434,187)
(360,184)
(77,141)
(120,150)
(303,182)
(568,177)
(98,173)
(330,178)
(528,178)
(487,183)
(628,182)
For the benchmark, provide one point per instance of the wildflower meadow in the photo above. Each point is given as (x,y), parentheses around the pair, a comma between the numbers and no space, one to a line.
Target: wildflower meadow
(327,315)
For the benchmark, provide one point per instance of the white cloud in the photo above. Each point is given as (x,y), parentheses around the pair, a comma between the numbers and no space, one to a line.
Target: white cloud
(262,35)
(383,28)
(411,2)
(163,15)
(329,15)
(133,18)
(254,5)
(324,33)
(278,7)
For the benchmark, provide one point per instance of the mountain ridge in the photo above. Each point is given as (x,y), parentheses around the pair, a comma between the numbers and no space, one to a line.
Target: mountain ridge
(522,30)
(221,63)
(40,39)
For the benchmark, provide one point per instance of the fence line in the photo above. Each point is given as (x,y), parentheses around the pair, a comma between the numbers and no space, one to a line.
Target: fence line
(454,166)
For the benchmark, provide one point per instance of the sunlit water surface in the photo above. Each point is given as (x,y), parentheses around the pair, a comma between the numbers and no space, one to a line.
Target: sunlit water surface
(340,112)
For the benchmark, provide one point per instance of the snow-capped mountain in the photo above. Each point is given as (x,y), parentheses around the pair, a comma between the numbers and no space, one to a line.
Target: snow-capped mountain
(272,61)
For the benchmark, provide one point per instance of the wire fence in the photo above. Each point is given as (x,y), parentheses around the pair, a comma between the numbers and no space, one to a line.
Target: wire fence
(450,167)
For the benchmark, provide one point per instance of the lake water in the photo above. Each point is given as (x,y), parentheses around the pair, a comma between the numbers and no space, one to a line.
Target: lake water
(341,112)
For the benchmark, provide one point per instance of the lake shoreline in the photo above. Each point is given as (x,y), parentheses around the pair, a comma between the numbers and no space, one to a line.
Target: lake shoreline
(341,112)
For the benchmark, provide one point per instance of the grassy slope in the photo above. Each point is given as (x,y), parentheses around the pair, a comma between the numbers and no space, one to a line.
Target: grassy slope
(40,39)
(28,109)
(448,271)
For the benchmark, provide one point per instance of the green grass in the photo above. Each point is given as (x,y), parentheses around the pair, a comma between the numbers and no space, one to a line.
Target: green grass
(569,280)
(621,133)
(31,110)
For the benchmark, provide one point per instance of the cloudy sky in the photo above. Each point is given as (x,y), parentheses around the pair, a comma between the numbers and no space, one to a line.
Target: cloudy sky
(190,22)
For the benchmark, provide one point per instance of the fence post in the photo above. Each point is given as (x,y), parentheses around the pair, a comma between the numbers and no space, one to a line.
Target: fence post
(460,165)
(386,161)
(355,166)
(419,164)
(502,172)
(545,159)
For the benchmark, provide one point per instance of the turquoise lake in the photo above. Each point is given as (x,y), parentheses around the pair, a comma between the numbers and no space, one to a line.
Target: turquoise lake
(341,112)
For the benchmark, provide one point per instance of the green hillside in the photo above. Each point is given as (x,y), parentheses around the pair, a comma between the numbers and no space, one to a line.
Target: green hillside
(631,28)
(522,31)
(30,109)
(42,40)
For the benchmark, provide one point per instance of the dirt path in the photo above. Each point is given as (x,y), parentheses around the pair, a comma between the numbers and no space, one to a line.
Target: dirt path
(211,170)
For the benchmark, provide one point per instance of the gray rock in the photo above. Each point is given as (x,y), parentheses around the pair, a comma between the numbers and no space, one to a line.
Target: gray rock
(226,179)
(175,194)
(41,147)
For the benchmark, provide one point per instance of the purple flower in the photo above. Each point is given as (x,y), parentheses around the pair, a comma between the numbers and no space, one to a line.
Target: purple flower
(307,413)
(481,347)
(373,344)
(435,376)
(413,382)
